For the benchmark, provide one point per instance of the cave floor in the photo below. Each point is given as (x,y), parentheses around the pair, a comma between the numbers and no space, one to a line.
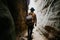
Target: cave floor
(36,35)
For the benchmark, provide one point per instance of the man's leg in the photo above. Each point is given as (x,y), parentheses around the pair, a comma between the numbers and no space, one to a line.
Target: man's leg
(31,30)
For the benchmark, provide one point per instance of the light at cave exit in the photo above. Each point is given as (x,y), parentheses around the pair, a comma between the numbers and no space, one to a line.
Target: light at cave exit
(38,14)
(32,4)
(41,20)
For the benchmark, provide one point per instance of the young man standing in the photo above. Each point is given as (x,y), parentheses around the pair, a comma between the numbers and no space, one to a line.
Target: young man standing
(30,22)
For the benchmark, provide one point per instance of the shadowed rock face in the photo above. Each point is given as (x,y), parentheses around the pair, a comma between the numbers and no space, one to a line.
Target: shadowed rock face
(18,9)
(7,27)
(22,12)
(12,15)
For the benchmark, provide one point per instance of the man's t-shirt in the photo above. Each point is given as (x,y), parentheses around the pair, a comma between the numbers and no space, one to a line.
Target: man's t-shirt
(31,18)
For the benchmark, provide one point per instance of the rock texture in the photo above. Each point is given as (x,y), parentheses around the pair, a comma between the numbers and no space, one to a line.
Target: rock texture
(48,16)
(12,18)
(22,12)
(7,26)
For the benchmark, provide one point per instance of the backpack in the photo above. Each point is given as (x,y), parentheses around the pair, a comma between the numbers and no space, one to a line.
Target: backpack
(29,19)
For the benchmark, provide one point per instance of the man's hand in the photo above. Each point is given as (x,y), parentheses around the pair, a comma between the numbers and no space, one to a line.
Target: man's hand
(35,24)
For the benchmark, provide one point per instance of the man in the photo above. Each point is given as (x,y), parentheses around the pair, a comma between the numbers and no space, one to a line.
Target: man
(31,20)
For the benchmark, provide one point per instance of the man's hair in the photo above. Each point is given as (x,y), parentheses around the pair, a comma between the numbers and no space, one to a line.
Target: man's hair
(32,9)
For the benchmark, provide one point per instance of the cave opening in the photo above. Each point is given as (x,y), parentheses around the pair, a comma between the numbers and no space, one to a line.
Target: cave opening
(12,19)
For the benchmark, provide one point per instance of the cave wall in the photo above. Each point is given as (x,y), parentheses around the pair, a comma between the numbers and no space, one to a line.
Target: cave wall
(48,15)
(7,26)
(22,12)
(18,9)
(13,21)
(49,10)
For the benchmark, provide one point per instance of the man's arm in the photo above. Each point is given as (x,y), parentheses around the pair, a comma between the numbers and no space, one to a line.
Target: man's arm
(35,20)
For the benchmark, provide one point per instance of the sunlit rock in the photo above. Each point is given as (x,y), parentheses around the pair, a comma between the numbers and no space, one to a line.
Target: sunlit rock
(47,12)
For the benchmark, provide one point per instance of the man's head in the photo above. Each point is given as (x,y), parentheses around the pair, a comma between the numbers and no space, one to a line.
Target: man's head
(32,9)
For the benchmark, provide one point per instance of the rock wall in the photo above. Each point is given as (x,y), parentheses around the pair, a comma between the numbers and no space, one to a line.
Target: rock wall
(48,16)
(22,12)
(7,26)
(12,18)
(49,11)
